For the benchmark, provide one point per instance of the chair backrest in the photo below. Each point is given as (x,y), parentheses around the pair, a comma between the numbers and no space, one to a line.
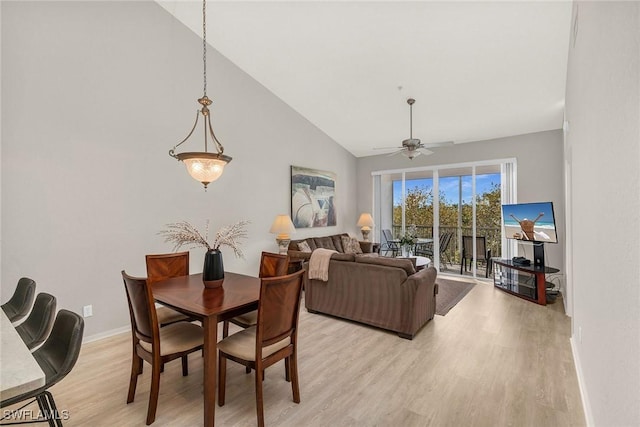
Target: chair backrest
(60,351)
(278,308)
(481,247)
(445,238)
(144,320)
(273,265)
(18,306)
(36,328)
(165,266)
(388,236)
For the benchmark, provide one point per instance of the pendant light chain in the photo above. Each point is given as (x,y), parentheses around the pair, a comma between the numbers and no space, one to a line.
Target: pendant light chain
(204,166)
(204,44)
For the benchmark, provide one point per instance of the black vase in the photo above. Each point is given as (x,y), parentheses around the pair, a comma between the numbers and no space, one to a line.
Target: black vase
(213,271)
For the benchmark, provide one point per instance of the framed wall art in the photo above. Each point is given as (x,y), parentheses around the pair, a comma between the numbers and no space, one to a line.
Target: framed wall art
(312,197)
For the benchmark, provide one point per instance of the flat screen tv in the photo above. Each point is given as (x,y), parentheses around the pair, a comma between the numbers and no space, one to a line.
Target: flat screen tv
(533,222)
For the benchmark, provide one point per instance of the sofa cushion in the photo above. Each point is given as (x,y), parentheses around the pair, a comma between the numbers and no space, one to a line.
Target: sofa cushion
(337,242)
(350,245)
(403,263)
(303,246)
(343,257)
(324,242)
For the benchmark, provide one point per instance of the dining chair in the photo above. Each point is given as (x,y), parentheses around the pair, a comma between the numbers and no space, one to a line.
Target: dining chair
(481,251)
(273,338)
(271,265)
(56,357)
(20,302)
(162,267)
(36,328)
(154,344)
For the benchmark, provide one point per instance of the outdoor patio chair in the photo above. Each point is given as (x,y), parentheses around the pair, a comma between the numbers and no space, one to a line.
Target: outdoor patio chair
(445,239)
(481,250)
(389,244)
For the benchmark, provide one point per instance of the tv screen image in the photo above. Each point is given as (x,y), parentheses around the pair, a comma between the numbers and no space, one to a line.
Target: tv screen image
(532,222)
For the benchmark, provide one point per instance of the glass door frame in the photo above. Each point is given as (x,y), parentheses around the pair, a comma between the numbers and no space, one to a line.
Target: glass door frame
(508,195)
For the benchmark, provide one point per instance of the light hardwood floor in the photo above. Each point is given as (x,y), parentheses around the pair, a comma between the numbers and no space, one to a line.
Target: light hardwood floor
(493,360)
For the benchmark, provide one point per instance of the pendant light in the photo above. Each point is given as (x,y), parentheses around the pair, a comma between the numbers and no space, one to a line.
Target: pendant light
(204,166)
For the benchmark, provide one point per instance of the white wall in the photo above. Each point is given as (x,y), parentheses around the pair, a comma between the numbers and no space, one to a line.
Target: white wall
(540,173)
(603,151)
(94,96)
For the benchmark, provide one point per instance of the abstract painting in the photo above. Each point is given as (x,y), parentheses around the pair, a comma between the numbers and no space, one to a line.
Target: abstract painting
(312,197)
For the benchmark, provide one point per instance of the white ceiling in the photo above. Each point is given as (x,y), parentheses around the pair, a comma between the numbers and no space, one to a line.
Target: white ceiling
(478,70)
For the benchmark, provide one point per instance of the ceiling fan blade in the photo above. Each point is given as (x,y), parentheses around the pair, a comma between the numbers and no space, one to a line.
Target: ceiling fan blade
(425,151)
(437,144)
(386,148)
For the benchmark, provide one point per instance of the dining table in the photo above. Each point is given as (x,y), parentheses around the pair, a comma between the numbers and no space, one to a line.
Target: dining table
(238,294)
(19,370)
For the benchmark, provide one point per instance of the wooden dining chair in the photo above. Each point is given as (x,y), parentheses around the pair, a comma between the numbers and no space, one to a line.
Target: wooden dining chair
(36,328)
(20,302)
(273,338)
(153,344)
(271,265)
(162,267)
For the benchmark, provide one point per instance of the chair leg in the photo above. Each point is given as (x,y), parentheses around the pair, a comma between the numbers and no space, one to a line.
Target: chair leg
(45,409)
(295,387)
(225,329)
(222,379)
(185,366)
(136,369)
(259,399)
(155,391)
(54,409)
(287,370)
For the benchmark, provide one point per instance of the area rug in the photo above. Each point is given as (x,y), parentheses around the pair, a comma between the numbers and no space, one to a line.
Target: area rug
(450,292)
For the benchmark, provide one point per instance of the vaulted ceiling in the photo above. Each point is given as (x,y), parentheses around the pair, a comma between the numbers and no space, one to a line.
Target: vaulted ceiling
(478,70)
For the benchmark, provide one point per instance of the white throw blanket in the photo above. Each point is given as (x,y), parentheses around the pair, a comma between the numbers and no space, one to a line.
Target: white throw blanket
(319,264)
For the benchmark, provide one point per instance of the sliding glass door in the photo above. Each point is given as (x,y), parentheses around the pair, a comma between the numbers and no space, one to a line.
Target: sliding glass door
(455,207)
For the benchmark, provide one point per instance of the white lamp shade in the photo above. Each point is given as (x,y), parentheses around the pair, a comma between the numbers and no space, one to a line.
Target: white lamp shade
(282,226)
(365,220)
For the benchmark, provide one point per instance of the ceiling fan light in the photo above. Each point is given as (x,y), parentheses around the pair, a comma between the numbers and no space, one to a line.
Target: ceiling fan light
(411,153)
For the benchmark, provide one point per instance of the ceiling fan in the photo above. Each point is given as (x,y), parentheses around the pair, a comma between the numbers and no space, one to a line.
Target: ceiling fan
(412,147)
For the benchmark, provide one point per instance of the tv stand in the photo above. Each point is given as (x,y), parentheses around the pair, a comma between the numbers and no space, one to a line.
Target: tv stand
(524,281)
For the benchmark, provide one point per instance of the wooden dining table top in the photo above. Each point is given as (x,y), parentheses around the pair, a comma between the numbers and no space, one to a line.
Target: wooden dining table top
(187,293)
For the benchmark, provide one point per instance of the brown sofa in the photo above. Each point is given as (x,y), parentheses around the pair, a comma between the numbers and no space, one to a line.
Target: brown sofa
(378,291)
(333,242)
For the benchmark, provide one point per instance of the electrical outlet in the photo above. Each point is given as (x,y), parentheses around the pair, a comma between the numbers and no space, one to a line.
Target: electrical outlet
(87,311)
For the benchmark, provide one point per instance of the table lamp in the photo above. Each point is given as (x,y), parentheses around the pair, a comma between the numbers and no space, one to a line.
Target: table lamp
(282,226)
(365,222)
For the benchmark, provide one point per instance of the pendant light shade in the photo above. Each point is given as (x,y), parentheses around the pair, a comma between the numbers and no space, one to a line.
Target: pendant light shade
(205,166)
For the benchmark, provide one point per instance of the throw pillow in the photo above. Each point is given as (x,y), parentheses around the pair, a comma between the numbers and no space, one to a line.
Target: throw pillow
(351,245)
(304,247)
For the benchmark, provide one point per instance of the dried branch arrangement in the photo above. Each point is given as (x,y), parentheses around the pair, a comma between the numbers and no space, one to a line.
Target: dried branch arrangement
(185,234)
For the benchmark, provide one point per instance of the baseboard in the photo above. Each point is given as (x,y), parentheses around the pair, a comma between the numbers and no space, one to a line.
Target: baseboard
(586,406)
(106,334)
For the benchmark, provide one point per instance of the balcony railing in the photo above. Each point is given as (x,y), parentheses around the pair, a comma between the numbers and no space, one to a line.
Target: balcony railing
(493,237)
